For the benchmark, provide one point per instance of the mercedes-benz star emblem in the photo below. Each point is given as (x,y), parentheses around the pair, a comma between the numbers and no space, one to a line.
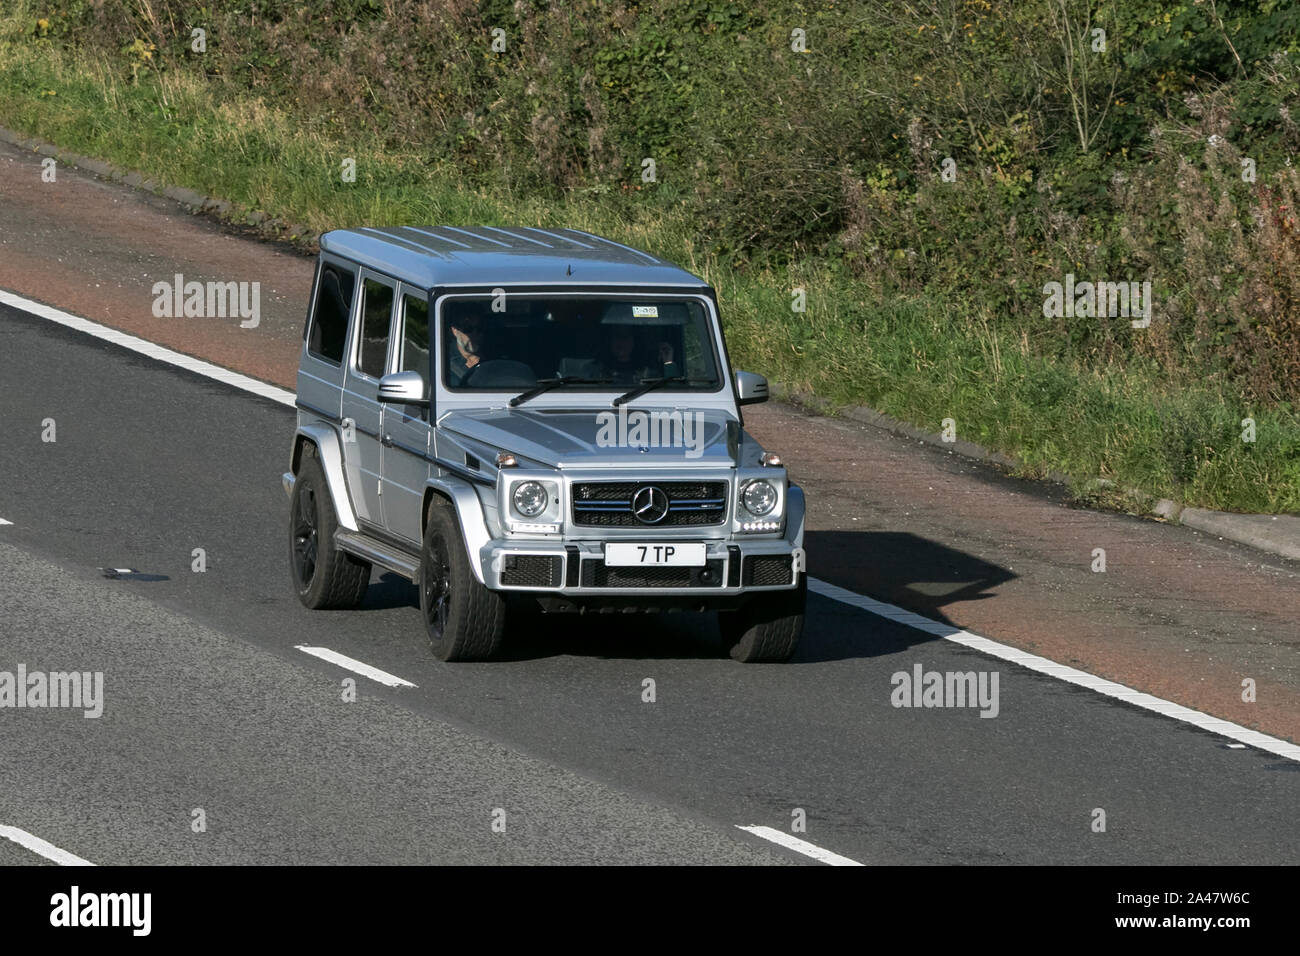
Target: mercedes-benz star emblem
(650,505)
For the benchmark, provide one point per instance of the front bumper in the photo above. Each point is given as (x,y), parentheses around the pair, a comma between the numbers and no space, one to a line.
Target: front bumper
(577,569)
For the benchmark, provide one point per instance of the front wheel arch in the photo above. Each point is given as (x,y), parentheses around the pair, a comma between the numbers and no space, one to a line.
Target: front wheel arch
(463,501)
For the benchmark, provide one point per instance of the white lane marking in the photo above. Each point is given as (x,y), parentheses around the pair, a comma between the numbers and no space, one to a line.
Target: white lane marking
(800,846)
(39,846)
(357,667)
(1070,675)
(2,521)
(144,347)
(947,632)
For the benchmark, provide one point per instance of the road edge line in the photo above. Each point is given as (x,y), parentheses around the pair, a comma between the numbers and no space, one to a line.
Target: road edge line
(1071,675)
(147,348)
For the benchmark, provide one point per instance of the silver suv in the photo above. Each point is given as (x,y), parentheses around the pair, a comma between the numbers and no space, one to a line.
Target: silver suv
(521,420)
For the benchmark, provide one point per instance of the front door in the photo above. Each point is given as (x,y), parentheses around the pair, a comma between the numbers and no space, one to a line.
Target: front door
(406,427)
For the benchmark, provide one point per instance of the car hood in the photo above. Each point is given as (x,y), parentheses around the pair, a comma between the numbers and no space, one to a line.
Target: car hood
(594,438)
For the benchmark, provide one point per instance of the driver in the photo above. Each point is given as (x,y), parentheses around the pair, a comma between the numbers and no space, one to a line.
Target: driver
(467,337)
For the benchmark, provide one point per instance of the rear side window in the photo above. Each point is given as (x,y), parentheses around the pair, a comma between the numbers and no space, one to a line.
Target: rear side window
(376,322)
(328,331)
(415,337)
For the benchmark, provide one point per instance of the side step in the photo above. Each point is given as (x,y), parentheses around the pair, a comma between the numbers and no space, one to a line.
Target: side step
(378,552)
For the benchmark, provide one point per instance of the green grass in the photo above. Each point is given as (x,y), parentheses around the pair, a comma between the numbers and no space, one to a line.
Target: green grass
(914,358)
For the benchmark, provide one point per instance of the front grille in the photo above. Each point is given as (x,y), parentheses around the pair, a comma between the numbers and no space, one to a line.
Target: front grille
(596,575)
(762,570)
(532,570)
(608,504)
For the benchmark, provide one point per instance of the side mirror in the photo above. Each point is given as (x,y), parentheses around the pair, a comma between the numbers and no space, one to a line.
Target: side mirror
(751,388)
(404,388)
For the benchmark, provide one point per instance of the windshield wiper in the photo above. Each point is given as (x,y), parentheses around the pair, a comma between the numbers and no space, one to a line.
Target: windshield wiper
(546,384)
(650,384)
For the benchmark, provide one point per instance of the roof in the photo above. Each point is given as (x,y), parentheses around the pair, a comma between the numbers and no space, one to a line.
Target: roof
(490,256)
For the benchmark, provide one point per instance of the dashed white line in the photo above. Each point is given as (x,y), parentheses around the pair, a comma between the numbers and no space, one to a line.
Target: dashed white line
(799,846)
(145,347)
(948,632)
(356,666)
(41,847)
(2,521)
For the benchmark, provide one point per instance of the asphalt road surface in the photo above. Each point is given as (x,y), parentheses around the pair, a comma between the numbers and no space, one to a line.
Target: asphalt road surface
(553,755)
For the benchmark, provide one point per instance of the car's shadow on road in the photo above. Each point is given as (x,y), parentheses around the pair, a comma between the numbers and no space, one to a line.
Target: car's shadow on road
(905,569)
(898,568)
(390,590)
(676,635)
(894,567)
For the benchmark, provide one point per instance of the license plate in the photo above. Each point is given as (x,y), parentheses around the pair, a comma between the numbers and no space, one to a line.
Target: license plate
(681,554)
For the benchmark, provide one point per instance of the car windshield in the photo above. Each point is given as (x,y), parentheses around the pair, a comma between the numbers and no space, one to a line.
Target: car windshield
(515,342)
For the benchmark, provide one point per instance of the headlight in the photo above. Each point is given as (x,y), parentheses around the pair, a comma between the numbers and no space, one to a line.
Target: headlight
(759,497)
(530,498)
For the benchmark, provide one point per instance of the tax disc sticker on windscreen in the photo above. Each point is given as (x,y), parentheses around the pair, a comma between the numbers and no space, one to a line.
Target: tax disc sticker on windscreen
(645,312)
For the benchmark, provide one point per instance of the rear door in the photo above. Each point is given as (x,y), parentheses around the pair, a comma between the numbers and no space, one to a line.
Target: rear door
(320,370)
(406,427)
(362,412)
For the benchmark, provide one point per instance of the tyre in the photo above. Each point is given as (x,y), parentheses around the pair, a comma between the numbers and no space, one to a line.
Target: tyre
(323,576)
(768,628)
(465,621)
